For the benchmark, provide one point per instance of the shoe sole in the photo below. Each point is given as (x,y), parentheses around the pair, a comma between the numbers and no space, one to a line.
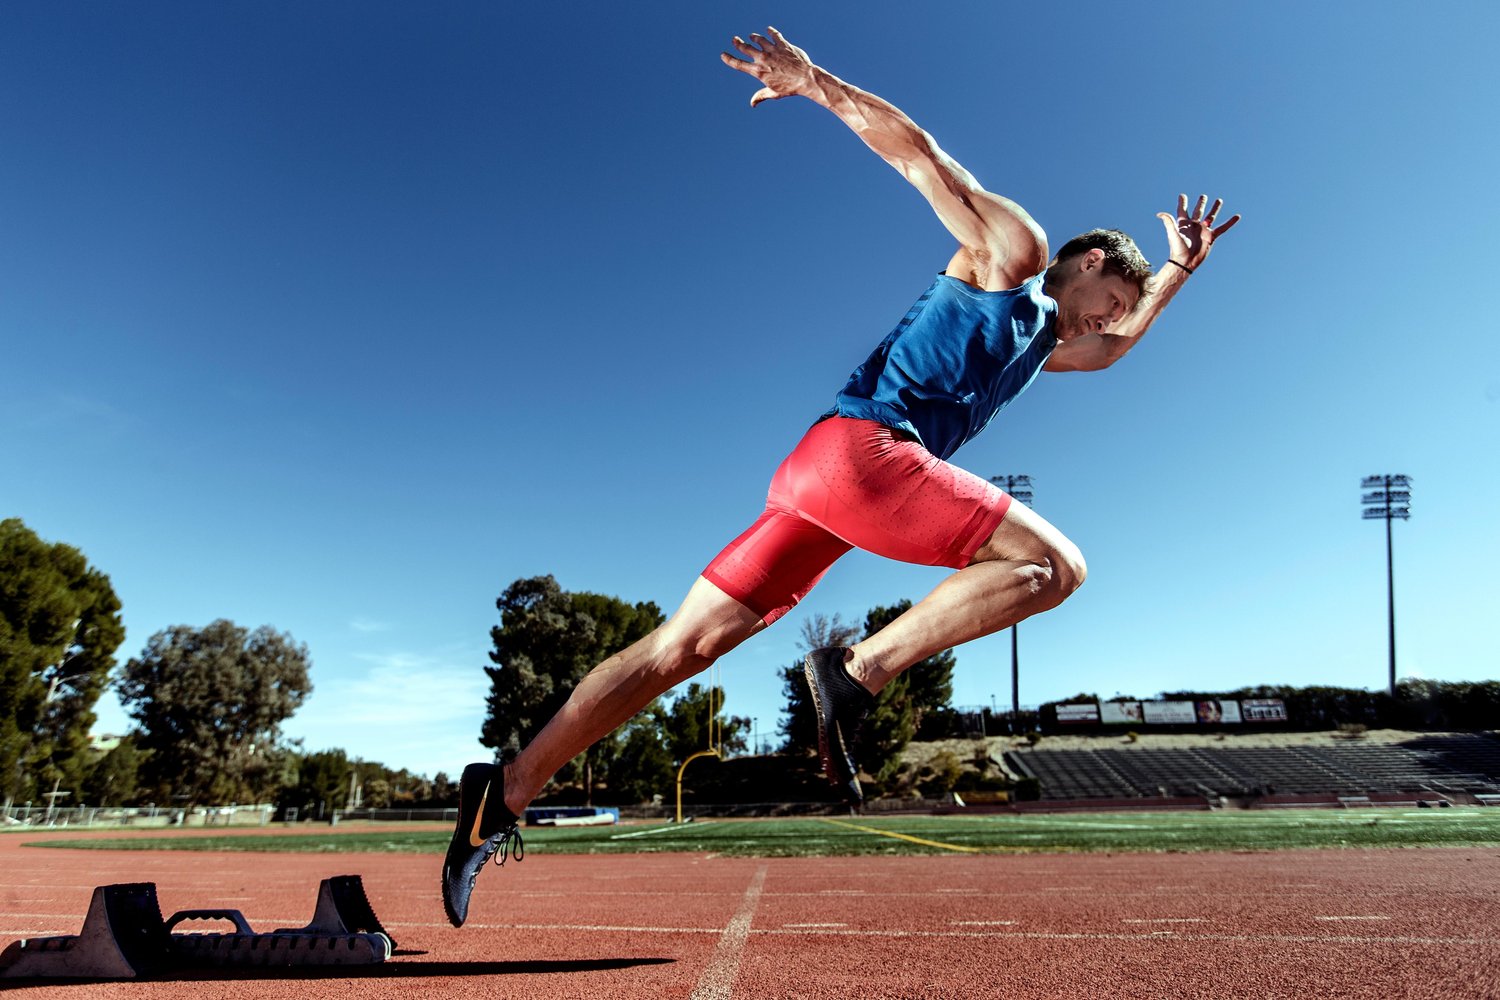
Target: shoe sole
(848,786)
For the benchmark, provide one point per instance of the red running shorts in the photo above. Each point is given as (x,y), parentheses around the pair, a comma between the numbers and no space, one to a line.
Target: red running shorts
(854,483)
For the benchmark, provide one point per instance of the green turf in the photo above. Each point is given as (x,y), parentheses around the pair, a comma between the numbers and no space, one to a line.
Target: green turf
(1124,832)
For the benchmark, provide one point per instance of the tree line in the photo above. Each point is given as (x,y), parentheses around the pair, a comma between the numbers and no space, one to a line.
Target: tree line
(208,703)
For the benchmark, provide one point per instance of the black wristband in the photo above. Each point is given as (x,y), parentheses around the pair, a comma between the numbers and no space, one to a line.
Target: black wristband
(1183,266)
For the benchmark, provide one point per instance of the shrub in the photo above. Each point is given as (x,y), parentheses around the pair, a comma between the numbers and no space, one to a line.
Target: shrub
(944,772)
(1027,789)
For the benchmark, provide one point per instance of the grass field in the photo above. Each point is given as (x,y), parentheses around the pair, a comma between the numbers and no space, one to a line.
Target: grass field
(998,834)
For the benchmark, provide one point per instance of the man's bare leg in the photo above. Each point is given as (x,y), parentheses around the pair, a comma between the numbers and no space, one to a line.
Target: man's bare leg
(708,625)
(1026,567)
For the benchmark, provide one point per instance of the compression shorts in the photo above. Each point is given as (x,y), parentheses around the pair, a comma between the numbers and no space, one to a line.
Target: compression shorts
(854,483)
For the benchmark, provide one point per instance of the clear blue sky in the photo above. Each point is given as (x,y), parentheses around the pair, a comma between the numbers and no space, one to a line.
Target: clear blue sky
(340,317)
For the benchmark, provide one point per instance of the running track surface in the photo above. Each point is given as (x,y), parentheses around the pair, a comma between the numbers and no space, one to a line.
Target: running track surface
(1304,924)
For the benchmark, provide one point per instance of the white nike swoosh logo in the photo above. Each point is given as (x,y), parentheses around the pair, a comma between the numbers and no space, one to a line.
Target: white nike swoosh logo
(475,840)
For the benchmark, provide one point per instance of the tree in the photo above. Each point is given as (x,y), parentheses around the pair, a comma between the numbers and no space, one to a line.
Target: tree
(930,681)
(547,640)
(653,745)
(925,687)
(210,703)
(642,766)
(443,792)
(59,629)
(685,731)
(322,784)
(115,776)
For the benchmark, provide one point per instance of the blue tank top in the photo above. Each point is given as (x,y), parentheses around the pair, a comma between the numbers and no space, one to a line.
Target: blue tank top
(957,358)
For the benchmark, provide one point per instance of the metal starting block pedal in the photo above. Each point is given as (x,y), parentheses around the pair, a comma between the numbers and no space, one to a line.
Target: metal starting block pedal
(124,936)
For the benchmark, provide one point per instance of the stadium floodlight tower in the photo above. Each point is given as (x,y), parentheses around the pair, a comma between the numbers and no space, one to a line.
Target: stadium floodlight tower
(1388,497)
(1019,488)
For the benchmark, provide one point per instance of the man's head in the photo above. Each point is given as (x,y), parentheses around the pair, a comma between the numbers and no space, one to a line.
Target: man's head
(1096,278)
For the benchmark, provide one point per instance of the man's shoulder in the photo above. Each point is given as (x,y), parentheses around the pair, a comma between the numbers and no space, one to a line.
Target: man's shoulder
(995,269)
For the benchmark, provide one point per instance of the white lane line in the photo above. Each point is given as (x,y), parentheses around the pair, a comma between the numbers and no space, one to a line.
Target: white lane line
(1352,918)
(718,979)
(982,923)
(573,928)
(1167,920)
(32,932)
(654,829)
(982,933)
(815,925)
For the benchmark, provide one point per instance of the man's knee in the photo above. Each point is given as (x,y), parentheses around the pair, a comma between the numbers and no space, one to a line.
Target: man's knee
(686,649)
(1068,569)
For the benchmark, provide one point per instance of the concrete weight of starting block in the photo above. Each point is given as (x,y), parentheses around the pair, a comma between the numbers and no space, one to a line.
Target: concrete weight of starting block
(124,937)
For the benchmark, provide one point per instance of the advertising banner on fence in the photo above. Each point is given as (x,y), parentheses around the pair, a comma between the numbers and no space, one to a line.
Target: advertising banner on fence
(1263,709)
(1120,713)
(1079,712)
(1170,713)
(1213,713)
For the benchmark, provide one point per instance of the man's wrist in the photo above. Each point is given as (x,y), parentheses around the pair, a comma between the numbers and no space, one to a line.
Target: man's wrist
(1189,270)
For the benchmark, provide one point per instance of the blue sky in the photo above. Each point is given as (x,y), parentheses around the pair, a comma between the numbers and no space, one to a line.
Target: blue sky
(340,317)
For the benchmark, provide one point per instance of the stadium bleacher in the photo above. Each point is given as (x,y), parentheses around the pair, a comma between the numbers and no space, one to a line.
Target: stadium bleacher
(1439,764)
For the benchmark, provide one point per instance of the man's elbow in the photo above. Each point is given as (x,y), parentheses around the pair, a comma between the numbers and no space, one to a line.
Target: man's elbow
(1113,349)
(1080,358)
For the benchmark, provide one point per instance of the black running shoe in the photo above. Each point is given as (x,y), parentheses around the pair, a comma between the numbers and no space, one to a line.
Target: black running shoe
(485,828)
(841,704)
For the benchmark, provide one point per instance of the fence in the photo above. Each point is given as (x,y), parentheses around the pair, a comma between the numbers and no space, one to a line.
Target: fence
(142,816)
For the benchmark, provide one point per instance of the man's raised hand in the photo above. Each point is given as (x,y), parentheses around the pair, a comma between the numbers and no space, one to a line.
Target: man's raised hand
(781,67)
(1190,236)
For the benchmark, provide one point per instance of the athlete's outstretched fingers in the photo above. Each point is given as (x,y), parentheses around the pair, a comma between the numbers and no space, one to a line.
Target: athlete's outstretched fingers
(761,40)
(745,48)
(1221,230)
(1214,211)
(776,35)
(1182,206)
(763,94)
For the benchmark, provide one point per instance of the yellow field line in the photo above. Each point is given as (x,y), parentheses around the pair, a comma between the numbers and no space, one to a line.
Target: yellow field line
(901,836)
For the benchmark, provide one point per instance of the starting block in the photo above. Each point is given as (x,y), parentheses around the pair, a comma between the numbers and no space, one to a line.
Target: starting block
(125,937)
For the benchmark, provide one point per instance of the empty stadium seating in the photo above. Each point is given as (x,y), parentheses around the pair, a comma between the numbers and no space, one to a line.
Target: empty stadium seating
(1447,764)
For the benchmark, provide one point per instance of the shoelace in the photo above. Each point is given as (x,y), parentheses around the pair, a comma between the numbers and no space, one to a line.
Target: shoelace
(499,846)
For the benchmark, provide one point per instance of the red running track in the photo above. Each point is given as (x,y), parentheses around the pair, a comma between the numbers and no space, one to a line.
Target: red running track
(1303,924)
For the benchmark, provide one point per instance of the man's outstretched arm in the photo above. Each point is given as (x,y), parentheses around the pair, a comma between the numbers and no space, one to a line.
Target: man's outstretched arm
(1190,237)
(1005,244)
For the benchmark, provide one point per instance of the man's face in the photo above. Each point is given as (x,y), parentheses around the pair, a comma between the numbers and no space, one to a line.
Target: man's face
(1090,300)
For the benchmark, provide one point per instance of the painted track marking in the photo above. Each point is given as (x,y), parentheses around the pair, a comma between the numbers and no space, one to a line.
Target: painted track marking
(1166,920)
(902,836)
(718,978)
(654,829)
(995,934)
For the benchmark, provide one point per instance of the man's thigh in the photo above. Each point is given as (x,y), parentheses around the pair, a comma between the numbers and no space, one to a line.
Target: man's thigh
(888,495)
(1025,536)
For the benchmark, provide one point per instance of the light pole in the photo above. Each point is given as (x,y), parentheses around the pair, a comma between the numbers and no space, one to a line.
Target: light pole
(1388,498)
(1019,488)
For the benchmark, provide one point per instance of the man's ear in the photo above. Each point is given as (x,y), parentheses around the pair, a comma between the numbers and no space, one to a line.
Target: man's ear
(1092,260)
